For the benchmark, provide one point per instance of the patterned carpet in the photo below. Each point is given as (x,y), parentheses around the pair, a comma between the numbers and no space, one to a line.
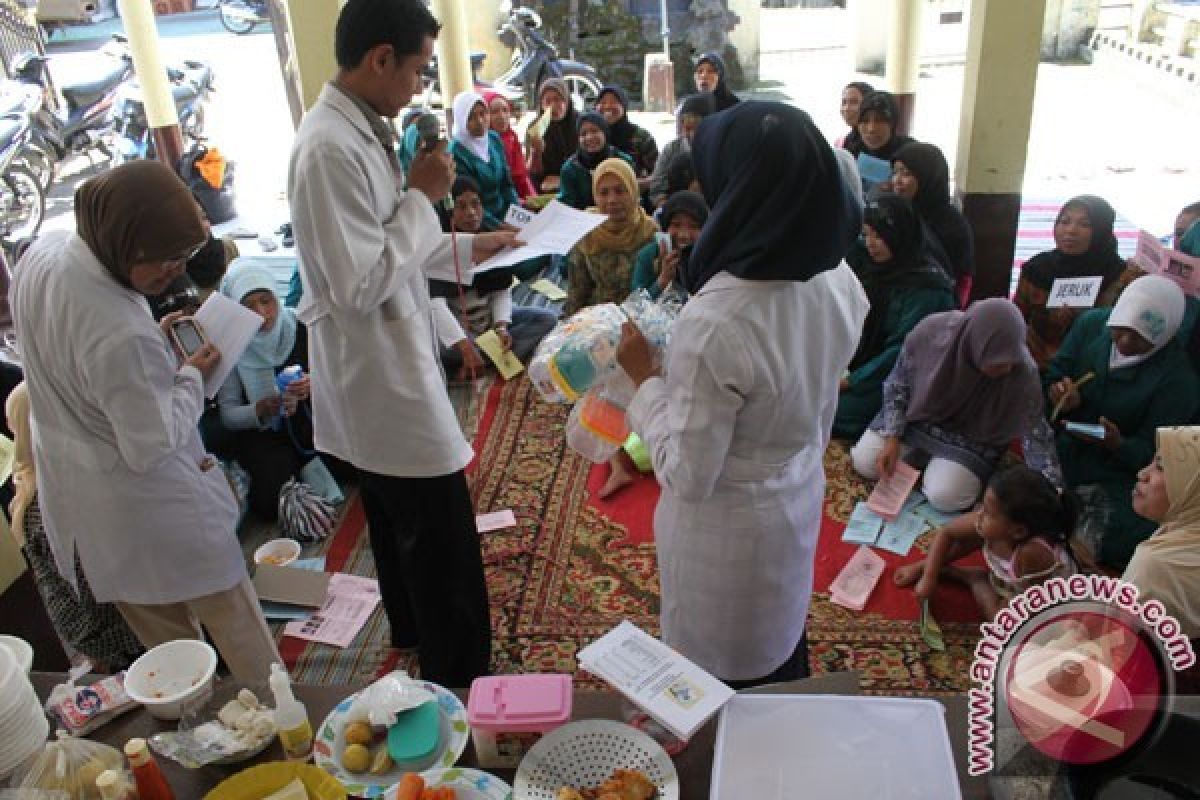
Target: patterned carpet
(574,567)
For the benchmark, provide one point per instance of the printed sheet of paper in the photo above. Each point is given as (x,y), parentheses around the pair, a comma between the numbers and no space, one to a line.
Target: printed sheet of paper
(495,521)
(1157,259)
(229,327)
(505,360)
(899,535)
(1074,292)
(347,607)
(863,526)
(853,585)
(935,518)
(549,288)
(675,692)
(553,231)
(890,492)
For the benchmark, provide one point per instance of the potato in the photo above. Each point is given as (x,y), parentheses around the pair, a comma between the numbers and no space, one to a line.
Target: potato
(356,758)
(358,733)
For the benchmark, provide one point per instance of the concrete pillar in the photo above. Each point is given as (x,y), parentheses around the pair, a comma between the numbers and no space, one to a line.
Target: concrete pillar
(1003,44)
(869,37)
(482,22)
(312,24)
(138,18)
(454,55)
(904,57)
(745,37)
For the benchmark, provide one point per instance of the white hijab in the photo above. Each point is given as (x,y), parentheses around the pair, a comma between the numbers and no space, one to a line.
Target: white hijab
(1153,306)
(464,103)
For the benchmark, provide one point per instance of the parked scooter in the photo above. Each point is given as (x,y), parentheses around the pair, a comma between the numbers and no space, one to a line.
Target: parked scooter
(243,16)
(190,86)
(433,89)
(22,201)
(535,59)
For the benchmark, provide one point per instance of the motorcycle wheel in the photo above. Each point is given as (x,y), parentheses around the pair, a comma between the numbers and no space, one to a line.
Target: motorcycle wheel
(39,162)
(23,205)
(235,24)
(584,88)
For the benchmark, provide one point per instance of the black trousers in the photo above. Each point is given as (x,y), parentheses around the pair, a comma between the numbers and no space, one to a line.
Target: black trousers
(431,580)
(795,668)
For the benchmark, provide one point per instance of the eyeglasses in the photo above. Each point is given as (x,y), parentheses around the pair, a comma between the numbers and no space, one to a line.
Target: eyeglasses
(188,256)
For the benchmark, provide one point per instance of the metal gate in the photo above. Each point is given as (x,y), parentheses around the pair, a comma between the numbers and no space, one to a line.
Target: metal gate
(19,33)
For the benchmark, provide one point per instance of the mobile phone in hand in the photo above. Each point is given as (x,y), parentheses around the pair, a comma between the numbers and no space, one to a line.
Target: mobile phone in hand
(1084,429)
(188,336)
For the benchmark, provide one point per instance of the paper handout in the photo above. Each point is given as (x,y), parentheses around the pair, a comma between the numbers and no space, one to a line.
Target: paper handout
(854,583)
(553,230)
(863,526)
(348,605)
(889,495)
(899,535)
(505,360)
(229,327)
(549,289)
(495,521)
(675,692)
(1157,259)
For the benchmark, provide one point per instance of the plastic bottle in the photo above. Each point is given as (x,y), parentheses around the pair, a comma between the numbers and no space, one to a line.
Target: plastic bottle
(112,786)
(291,718)
(151,783)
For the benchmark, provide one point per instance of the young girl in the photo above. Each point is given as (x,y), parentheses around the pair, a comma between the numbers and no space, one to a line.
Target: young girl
(1023,525)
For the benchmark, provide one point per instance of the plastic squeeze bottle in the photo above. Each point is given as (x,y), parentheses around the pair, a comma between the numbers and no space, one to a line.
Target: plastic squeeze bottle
(151,783)
(291,718)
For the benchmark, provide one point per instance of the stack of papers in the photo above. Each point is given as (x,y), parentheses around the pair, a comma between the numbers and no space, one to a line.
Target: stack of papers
(892,491)
(854,583)
(669,688)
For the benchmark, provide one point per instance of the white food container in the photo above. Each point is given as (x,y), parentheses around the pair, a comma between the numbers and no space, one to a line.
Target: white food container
(171,676)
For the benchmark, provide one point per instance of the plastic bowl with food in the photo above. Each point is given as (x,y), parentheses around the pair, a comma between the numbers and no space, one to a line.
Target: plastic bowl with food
(278,552)
(172,676)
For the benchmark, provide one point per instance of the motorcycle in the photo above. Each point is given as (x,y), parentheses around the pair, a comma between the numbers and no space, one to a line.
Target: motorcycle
(22,201)
(243,16)
(190,87)
(535,59)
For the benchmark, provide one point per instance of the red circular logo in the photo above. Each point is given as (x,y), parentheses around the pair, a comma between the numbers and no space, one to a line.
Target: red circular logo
(1084,686)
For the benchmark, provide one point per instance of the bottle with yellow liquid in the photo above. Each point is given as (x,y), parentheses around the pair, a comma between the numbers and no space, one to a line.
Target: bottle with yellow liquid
(291,718)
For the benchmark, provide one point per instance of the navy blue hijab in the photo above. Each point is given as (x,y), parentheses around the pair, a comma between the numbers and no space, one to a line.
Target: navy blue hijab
(780,209)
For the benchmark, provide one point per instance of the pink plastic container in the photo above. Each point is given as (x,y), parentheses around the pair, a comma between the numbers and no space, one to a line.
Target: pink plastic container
(508,713)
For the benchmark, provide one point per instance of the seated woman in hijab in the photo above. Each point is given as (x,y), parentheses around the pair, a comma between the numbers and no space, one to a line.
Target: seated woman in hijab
(657,265)
(691,111)
(630,139)
(877,119)
(500,117)
(920,174)
(963,389)
(1122,369)
(553,136)
(738,421)
(853,94)
(711,78)
(1084,246)
(1166,566)
(479,154)
(600,267)
(905,285)
(486,303)
(272,433)
(575,188)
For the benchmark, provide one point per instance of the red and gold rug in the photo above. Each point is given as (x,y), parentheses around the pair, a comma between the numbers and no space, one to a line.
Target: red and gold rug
(575,566)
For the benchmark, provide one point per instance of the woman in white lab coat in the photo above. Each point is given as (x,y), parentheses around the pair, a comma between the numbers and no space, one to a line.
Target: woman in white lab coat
(123,479)
(738,424)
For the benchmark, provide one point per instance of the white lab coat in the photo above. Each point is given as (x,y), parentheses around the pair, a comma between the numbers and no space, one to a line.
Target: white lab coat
(366,250)
(737,430)
(122,475)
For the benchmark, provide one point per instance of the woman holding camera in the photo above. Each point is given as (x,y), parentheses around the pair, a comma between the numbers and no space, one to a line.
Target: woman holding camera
(123,479)
(271,430)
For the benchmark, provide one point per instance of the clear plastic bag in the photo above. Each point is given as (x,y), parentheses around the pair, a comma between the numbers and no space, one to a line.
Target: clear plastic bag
(82,709)
(67,765)
(380,702)
(232,726)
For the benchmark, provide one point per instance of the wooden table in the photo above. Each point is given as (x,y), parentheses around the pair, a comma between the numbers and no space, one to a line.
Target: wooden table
(694,764)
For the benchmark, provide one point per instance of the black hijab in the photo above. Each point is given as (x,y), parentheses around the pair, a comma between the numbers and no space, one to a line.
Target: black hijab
(949,228)
(621,132)
(884,104)
(853,141)
(1101,257)
(485,282)
(894,220)
(688,203)
(590,161)
(722,96)
(698,105)
(780,209)
(562,136)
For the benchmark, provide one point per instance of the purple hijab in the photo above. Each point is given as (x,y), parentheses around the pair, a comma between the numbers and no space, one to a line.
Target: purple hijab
(945,354)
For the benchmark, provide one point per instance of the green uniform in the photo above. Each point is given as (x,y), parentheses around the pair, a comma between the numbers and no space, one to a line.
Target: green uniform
(492,176)
(575,182)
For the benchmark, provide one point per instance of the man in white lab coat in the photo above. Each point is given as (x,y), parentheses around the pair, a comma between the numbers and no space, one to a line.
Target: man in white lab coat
(379,396)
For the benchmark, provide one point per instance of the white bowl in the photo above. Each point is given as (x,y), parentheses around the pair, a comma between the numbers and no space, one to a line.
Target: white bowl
(171,676)
(279,552)
(21,650)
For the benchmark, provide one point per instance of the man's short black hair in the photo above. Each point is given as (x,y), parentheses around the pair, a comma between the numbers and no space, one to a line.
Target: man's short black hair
(364,24)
